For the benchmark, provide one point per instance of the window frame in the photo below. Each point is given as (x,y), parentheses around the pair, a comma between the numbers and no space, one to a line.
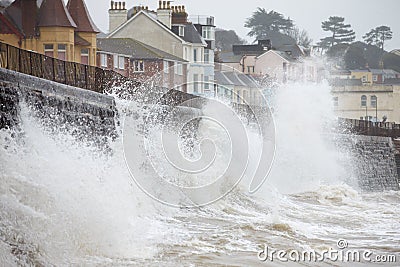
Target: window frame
(121,62)
(103,60)
(195,56)
(48,50)
(138,66)
(84,54)
(374,101)
(335,101)
(364,101)
(195,83)
(115,61)
(62,49)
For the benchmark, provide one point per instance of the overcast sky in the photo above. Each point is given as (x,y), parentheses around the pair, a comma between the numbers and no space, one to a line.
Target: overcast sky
(363,15)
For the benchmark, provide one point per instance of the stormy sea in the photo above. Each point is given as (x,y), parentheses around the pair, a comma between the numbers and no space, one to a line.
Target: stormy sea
(64,201)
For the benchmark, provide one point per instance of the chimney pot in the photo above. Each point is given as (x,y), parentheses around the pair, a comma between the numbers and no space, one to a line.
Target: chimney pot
(168,4)
(123,5)
(164,4)
(159,4)
(112,5)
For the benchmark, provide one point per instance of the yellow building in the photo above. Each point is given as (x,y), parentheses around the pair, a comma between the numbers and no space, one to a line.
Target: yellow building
(364,75)
(51,28)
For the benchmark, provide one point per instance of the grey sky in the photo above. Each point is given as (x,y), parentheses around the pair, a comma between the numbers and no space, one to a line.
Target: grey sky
(363,15)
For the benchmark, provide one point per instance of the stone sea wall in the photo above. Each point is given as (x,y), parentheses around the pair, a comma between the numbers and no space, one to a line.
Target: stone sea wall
(59,107)
(373,161)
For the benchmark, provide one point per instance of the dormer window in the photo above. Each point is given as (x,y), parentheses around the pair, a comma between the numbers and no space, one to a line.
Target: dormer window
(181,30)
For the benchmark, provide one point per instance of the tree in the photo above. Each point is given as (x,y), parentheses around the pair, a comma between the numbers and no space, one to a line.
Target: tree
(224,39)
(301,37)
(378,36)
(354,58)
(341,33)
(262,23)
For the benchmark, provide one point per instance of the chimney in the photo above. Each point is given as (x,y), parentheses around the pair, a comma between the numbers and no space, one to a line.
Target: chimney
(164,13)
(118,14)
(179,16)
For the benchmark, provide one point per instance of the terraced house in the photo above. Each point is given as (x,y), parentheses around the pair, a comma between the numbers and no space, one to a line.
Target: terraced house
(168,29)
(51,28)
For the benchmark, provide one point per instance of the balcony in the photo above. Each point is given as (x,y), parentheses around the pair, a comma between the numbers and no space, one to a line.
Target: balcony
(202,20)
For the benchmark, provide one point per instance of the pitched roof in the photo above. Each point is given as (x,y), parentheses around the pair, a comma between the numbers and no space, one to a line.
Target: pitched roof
(235,78)
(81,16)
(79,40)
(293,50)
(23,15)
(54,13)
(283,55)
(190,35)
(230,57)
(133,48)
(7,27)
(384,71)
(392,81)
(149,16)
(345,82)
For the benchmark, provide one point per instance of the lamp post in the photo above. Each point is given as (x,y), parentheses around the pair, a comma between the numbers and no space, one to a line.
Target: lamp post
(376,109)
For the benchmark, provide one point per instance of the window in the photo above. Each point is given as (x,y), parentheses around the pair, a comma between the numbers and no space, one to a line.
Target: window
(375,78)
(250,69)
(284,67)
(115,61)
(49,50)
(373,101)
(195,83)
(139,66)
(206,55)
(121,62)
(206,82)
(62,51)
(195,55)
(85,56)
(208,33)
(178,68)
(103,60)
(363,101)
(364,79)
(336,101)
(181,30)
(166,66)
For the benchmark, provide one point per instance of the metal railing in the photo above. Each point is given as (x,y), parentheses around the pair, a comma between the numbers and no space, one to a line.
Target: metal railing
(363,127)
(70,73)
(79,75)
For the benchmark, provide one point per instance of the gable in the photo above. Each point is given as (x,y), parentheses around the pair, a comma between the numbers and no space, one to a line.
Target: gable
(6,27)
(272,54)
(148,31)
(144,18)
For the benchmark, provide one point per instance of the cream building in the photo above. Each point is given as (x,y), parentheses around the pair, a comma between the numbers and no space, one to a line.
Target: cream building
(374,102)
(168,30)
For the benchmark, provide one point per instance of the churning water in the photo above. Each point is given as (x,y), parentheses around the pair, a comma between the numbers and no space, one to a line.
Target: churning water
(66,203)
